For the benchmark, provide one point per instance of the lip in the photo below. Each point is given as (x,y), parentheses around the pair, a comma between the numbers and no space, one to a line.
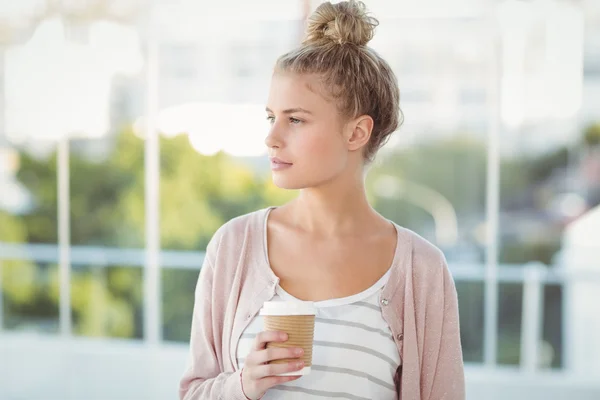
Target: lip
(278,164)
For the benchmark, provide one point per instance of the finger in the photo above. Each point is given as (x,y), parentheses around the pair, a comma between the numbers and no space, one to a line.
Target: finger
(262,371)
(276,353)
(268,336)
(258,357)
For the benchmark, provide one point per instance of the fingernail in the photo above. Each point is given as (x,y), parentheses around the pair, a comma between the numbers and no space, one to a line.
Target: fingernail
(300,364)
(299,351)
(283,336)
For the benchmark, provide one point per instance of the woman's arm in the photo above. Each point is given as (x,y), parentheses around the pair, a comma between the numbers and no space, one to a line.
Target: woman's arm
(442,369)
(204,379)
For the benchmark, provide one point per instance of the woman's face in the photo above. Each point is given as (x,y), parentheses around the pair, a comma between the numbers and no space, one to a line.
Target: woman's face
(309,140)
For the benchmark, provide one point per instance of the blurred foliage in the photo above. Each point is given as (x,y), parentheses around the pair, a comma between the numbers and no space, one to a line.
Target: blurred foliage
(591,135)
(542,167)
(12,228)
(442,166)
(197,194)
(28,296)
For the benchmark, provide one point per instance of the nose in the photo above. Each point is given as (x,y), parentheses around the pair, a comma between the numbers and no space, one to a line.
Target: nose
(273,139)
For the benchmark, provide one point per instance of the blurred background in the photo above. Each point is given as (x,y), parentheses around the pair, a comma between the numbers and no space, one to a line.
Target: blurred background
(130,130)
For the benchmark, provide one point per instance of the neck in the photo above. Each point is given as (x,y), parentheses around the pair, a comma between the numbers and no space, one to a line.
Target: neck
(336,207)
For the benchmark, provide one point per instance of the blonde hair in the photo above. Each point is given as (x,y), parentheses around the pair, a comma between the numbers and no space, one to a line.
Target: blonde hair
(361,82)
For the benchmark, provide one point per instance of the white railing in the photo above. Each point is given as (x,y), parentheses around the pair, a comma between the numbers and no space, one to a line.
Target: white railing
(532,276)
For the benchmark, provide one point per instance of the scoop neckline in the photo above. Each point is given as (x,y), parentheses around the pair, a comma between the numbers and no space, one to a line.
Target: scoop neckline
(341,301)
(334,301)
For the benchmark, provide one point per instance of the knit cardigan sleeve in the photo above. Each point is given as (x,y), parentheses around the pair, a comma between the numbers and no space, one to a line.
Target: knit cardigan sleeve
(204,378)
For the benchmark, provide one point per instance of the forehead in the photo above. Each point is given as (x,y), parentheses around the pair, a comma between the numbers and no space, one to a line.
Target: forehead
(289,90)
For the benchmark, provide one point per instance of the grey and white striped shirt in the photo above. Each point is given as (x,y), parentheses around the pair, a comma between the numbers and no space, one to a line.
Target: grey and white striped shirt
(354,354)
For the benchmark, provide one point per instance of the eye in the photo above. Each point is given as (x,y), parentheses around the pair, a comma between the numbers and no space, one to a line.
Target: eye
(270,118)
(294,120)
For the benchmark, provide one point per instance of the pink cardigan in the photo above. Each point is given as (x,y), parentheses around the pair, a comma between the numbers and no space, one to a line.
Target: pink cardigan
(419,304)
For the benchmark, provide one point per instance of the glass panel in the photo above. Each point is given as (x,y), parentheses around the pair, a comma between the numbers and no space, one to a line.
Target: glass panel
(178,287)
(471,306)
(29,296)
(80,94)
(29,200)
(106,166)
(510,309)
(107,301)
(28,216)
(551,348)
(107,191)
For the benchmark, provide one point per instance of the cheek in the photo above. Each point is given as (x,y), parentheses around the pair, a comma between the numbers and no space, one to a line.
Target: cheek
(323,145)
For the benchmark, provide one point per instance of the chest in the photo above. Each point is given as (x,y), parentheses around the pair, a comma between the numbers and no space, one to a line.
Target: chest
(316,270)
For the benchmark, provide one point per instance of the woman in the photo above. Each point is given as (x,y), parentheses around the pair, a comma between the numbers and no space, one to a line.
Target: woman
(387,320)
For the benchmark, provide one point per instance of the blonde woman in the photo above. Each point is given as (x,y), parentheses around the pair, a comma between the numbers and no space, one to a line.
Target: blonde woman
(387,324)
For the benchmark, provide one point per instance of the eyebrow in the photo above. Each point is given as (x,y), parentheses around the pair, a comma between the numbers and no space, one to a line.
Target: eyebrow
(292,110)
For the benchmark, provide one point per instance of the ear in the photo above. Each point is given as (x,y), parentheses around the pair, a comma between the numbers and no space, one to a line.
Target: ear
(359,132)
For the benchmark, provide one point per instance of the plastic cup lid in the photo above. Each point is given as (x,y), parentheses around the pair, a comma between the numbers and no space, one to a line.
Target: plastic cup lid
(288,308)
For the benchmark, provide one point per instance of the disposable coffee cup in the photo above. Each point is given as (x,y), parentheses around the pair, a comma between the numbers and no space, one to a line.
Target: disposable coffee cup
(297,319)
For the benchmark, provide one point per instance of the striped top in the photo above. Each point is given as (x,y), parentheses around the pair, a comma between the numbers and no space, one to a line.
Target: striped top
(419,304)
(354,354)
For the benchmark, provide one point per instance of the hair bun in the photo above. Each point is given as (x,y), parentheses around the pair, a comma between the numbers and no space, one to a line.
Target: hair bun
(344,22)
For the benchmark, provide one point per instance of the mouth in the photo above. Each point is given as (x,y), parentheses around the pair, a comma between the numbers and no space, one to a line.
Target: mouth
(278,164)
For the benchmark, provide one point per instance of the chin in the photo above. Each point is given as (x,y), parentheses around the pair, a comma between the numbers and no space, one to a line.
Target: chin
(291,182)
(287,183)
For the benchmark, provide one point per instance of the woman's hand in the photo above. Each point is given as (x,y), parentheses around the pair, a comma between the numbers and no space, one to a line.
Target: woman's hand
(257,375)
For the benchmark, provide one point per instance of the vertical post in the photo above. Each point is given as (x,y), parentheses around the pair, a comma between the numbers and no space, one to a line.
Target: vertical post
(64,237)
(152,312)
(569,290)
(1,300)
(492,206)
(532,317)
(2,94)
(2,140)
